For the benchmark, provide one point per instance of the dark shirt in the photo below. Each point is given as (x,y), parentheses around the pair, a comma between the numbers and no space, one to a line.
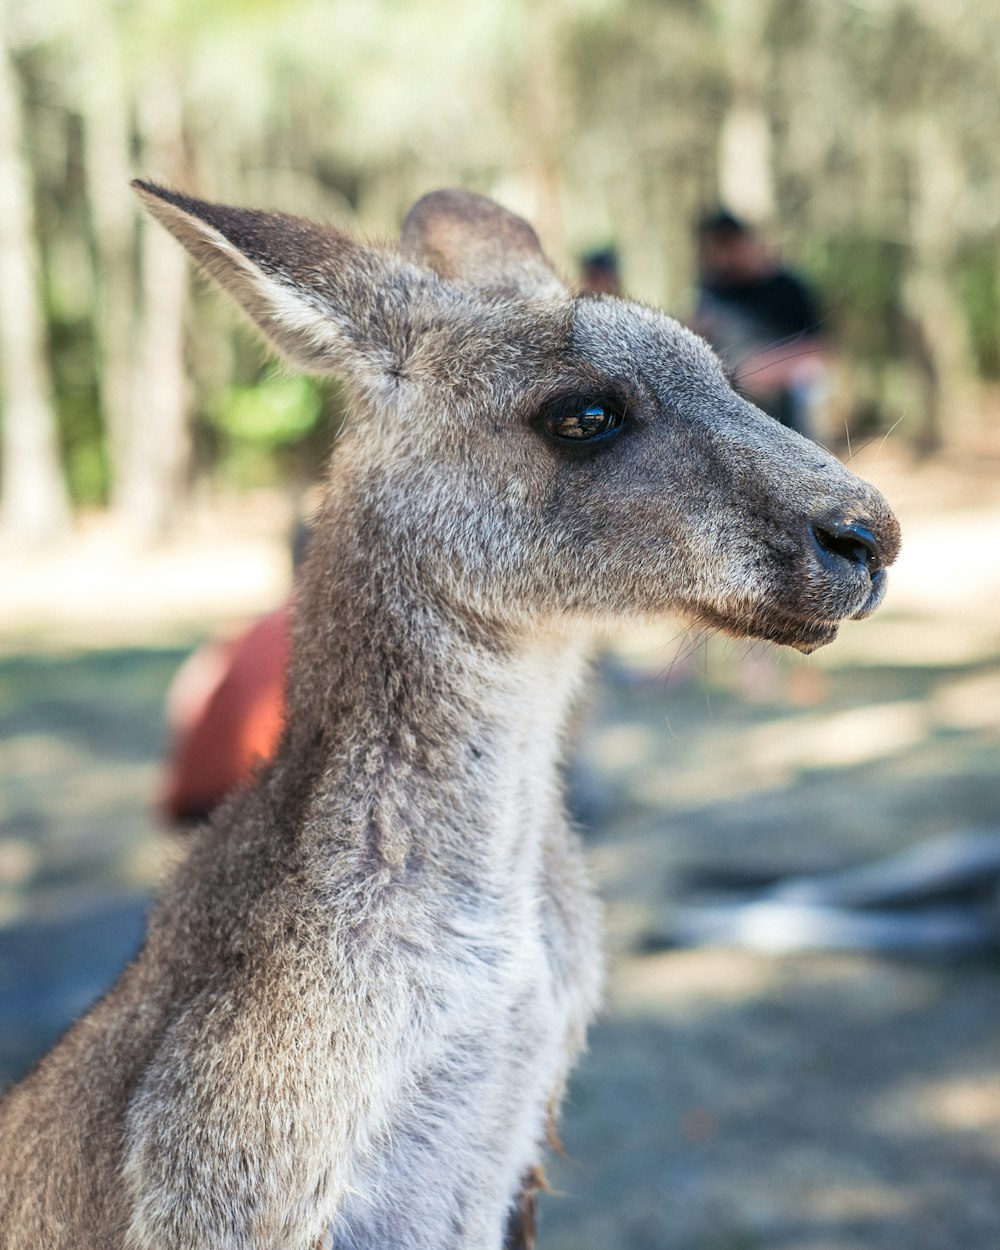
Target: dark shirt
(778,306)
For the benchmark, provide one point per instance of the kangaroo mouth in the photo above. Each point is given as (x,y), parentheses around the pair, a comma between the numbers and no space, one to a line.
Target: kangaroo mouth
(803,629)
(805,635)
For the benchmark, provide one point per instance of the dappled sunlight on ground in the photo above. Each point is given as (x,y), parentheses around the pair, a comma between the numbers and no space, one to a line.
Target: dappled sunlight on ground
(80,739)
(734,1100)
(100,589)
(774,754)
(965,1104)
(690,983)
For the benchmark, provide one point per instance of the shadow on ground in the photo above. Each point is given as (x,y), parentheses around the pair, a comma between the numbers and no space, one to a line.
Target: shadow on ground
(81,738)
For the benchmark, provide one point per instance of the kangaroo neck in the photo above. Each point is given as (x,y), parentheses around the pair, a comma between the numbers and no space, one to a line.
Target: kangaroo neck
(438,741)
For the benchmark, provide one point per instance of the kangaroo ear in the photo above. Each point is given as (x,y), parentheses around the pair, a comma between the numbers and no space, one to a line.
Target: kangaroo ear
(329,304)
(468,238)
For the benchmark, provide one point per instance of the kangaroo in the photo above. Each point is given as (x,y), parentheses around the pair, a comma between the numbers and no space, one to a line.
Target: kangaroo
(361,993)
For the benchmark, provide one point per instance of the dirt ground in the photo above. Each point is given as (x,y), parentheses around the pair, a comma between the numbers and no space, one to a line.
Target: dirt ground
(729,1101)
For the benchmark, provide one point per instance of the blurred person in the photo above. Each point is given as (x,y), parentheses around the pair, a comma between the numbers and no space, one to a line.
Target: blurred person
(226,711)
(762,319)
(599,272)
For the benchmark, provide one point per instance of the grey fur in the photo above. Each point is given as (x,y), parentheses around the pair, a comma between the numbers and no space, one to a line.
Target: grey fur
(361,993)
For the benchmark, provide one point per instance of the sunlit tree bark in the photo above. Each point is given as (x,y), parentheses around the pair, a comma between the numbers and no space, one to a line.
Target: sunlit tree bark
(159,445)
(929,295)
(33,501)
(104,105)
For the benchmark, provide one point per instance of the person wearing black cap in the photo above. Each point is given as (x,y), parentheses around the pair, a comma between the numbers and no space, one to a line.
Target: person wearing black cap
(760,317)
(599,272)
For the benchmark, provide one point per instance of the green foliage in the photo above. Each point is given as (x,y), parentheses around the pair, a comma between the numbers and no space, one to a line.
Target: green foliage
(861,278)
(276,411)
(980,295)
(276,428)
(81,427)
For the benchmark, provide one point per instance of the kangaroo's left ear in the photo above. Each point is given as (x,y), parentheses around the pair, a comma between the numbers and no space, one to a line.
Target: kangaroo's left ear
(467,238)
(329,304)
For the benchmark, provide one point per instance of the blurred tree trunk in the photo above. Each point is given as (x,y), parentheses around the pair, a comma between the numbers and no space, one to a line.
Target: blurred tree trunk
(104,110)
(34,507)
(542,124)
(929,290)
(158,449)
(745,156)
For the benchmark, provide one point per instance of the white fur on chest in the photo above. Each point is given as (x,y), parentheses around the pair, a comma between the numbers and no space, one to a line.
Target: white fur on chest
(501,1003)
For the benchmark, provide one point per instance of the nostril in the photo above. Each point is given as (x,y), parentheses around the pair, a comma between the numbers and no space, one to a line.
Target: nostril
(853,543)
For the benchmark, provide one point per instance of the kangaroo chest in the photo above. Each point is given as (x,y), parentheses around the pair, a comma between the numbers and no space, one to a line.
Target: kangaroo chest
(505,995)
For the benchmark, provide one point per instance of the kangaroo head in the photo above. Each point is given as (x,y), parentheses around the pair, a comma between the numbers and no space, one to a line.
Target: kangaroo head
(530,456)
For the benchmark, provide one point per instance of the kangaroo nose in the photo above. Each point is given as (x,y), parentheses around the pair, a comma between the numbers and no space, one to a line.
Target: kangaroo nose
(851,542)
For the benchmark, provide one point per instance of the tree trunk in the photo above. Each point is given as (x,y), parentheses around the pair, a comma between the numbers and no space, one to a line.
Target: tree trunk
(159,442)
(34,507)
(928,291)
(113,216)
(745,150)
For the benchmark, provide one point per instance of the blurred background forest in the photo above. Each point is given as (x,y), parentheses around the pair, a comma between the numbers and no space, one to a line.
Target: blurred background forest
(860,133)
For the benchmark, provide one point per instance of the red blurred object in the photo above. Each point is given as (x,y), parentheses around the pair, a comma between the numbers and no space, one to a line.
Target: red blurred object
(226,707)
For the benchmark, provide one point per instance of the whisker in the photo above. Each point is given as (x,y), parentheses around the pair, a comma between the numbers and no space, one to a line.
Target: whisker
(666,672)
(779,361)
(699,642)
(899,419)
(796,337)
(683,653)
(884,437)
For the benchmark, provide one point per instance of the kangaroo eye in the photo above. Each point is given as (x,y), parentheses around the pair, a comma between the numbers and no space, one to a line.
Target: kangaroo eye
(582,422)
